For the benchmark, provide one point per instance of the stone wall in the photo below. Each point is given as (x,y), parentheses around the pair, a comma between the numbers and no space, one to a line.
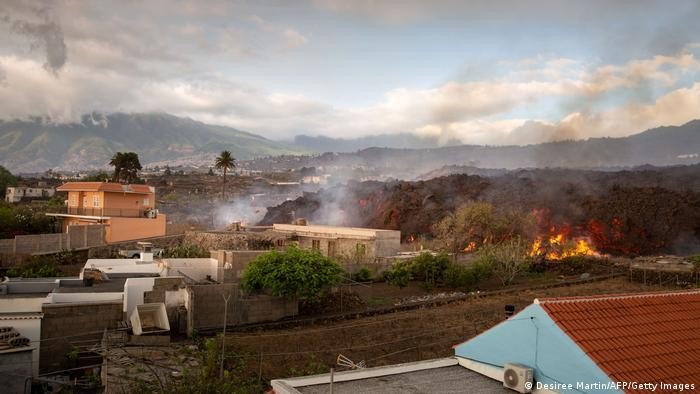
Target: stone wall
(67,325)
(113,249)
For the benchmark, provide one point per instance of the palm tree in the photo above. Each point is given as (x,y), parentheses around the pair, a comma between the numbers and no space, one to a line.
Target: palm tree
(126,166)
(224,162)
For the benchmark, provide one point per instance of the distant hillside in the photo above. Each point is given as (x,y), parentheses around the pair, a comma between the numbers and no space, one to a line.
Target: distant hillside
(661,146)
(399,141)
(36,145)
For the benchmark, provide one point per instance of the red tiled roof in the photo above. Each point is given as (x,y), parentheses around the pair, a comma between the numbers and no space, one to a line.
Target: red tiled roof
(643,338)
(104,187)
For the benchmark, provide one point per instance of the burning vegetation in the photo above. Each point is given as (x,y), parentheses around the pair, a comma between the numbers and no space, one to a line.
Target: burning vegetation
(627,213)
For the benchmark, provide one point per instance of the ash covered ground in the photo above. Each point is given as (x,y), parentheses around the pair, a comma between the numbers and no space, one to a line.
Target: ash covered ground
(642,211)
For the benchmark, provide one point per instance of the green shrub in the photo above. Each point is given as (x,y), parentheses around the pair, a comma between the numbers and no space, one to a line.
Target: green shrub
(467,276)
(399,275)
(429,268)
(292,273)
(45,266)
(362,275)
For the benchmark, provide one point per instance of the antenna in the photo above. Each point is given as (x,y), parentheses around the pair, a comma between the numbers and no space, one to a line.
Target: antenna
(346,362)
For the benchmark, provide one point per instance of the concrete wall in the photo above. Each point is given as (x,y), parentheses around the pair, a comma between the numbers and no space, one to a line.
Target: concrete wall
(29,326)
(206,307)
(66,325)
(15,366)
(75,237)
(169,292)
(121,229)
(239,260)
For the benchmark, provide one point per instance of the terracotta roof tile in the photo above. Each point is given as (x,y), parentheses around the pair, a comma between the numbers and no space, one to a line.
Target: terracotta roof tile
(105,187)
(651,337)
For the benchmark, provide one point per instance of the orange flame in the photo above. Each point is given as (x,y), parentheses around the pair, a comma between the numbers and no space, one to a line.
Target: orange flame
(470,248)
(555,247)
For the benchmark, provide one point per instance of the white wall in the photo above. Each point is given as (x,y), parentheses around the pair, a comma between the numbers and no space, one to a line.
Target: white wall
(133,292)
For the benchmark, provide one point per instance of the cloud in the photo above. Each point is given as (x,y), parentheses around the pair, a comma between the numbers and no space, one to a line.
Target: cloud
(294,38)
(46,33)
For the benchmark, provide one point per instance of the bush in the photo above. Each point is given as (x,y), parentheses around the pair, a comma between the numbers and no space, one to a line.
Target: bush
(45,266)
(436,270)
(399,275)
(429,268)
(507,259)
(362,275)
(467,276)
(292,273)
(186,252)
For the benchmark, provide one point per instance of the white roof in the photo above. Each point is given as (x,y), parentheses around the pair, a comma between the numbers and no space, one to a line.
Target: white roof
(124,266)
(336,231)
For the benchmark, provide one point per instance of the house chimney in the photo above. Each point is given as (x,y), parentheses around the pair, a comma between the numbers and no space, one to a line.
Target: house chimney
(300,222)
(146,252)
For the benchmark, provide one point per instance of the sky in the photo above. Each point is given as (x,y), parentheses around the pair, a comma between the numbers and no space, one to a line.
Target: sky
(481,72)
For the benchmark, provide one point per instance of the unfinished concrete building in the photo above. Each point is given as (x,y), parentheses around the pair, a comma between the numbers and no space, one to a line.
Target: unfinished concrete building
(352,242)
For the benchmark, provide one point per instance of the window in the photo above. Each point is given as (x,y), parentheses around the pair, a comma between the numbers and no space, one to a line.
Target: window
(331,248)
(95,201)
(315,244)
(360,249)
(146,201)
(73,200)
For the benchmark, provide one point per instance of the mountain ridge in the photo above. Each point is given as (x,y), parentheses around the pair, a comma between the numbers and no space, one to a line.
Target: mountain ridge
(35,145)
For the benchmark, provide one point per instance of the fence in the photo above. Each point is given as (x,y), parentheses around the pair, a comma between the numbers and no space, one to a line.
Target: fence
(77,237)
(119,212)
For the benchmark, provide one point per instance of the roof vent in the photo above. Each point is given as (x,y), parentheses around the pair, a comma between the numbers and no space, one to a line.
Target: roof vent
(517,377)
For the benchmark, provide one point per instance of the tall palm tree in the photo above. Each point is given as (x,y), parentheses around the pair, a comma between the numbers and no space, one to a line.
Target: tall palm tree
(224,162)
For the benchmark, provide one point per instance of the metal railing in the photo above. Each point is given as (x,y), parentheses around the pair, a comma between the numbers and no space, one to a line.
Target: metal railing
(117,212)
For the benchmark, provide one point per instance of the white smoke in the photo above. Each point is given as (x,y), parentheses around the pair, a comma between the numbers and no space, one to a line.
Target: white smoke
(242,210)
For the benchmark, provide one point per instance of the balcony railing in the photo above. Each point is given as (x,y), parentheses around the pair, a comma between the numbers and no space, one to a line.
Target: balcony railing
(111,212)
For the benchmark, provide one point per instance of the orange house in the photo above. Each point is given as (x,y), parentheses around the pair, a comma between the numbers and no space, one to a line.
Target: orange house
(127,211)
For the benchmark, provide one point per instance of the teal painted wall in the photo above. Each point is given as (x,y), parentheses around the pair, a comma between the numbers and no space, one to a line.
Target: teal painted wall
(531,338)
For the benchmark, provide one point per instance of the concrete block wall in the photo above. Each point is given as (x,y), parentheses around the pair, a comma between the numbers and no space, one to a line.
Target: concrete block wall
(77,237)
(7,246)
(259,308)
(65,325)
(206,307)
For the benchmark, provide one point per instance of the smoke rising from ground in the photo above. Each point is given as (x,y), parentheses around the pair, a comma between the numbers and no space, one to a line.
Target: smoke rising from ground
(240,210)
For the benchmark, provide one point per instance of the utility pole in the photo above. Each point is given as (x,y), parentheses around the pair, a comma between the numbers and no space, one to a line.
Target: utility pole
(223,337)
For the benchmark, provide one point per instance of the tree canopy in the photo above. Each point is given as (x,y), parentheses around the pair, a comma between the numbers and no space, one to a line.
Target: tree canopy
(126,166)
(6,179)
(292,273)
(475,224)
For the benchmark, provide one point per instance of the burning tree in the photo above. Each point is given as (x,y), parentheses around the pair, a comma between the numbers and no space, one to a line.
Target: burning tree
(476,224)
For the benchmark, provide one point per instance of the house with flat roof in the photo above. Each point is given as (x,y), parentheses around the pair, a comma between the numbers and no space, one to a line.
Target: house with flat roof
(619,343)
(335,241)
(14,194)
(127,211)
